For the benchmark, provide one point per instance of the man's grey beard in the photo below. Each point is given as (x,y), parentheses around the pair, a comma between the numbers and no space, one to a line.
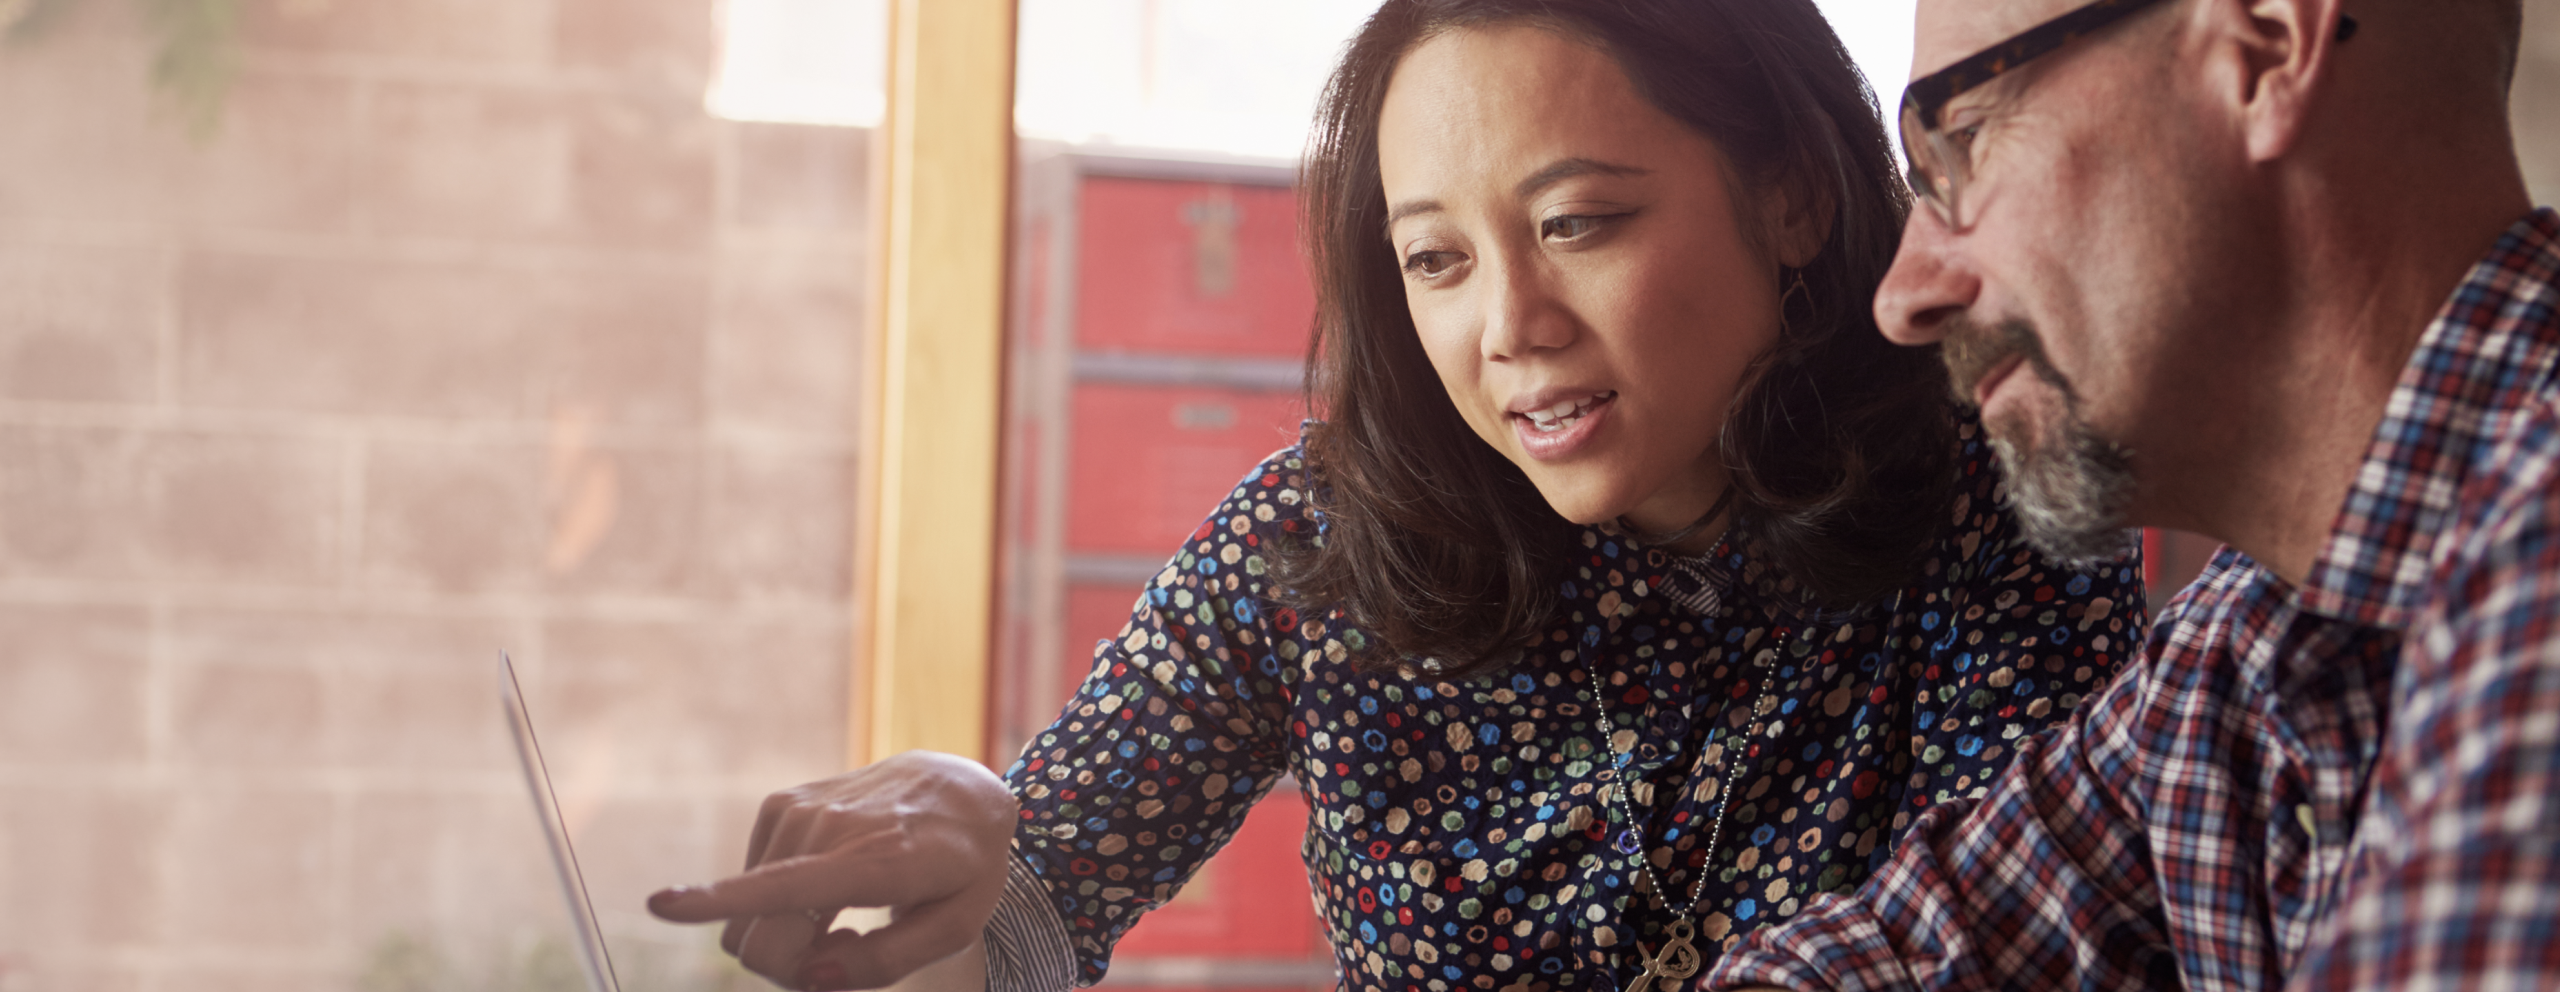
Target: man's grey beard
(2070,494)
(2071,490)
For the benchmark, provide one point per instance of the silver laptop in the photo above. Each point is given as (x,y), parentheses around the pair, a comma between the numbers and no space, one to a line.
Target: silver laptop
(573,884)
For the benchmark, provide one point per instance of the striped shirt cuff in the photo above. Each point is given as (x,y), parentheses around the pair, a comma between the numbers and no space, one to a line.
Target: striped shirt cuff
(1027,949)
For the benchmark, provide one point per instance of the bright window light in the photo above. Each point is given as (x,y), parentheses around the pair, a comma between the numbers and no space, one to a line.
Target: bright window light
(1235,77)
(1878,33)
(801,61)
(1228,76)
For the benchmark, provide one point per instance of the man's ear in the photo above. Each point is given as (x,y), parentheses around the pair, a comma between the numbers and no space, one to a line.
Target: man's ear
(1797,213)
(2285,50)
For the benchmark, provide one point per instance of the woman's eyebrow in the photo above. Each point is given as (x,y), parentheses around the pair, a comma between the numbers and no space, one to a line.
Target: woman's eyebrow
(1557,172)
(1565,169)
(1409,208)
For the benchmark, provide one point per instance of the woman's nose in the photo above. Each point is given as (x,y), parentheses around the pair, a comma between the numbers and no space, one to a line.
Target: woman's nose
(1525,315)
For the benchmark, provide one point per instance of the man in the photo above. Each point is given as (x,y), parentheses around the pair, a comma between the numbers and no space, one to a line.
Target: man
(2266,270)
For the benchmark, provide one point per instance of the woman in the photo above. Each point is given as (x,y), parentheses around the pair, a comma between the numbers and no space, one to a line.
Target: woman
(1662,614)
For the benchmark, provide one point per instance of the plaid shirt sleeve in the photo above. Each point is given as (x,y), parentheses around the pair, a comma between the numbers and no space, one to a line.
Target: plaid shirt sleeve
(2457,875)
(2045,882)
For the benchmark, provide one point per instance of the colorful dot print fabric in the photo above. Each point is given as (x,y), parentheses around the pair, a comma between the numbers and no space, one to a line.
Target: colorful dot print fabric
(1470,834)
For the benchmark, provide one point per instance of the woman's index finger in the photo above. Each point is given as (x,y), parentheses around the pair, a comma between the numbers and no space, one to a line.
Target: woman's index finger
(848,875)
(791,885)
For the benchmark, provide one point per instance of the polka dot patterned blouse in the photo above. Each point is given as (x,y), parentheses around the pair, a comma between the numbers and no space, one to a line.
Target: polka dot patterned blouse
(1468,834)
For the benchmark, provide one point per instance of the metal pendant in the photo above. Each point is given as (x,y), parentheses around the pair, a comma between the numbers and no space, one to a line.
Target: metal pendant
(1677,960)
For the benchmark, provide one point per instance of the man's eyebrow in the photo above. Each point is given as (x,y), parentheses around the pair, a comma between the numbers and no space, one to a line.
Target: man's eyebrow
(1983,98)
(1994,93)
(1568,168)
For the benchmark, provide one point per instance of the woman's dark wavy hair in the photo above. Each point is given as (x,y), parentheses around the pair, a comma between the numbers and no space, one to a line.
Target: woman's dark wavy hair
(1839,442)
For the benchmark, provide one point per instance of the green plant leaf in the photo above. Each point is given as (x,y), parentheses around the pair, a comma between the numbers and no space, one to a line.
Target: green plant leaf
(26,20)
(198,56)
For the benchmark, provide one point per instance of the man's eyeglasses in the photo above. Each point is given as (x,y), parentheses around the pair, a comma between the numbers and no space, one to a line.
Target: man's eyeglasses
(1941,162)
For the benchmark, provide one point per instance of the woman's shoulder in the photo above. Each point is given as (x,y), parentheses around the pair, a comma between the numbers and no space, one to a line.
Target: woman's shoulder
(1269,510)
(1276,499)
(1271,495)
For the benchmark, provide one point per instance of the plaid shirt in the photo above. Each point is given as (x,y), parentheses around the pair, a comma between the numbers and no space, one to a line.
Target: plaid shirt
(2281,795)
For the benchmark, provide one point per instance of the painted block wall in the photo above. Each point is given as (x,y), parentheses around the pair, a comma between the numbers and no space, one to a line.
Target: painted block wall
(467,329)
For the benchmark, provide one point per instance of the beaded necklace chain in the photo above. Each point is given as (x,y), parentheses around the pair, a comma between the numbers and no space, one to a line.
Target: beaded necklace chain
(1679,958)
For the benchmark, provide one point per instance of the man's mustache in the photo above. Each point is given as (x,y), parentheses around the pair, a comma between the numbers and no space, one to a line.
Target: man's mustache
(1972,349)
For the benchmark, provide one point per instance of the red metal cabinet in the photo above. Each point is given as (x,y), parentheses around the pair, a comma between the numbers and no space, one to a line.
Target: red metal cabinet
(1190,268)
(1162,316)
(1151,461)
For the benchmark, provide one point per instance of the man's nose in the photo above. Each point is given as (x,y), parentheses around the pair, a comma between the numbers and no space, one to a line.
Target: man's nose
(1928,284)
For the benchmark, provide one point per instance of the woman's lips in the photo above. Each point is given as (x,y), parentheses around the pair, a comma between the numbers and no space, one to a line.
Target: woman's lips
(1549,439)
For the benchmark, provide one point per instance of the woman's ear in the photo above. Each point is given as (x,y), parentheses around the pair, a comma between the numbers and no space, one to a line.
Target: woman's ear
(1797,213)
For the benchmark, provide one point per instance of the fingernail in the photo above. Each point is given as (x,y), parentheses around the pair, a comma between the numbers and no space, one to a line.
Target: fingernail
(822,976)
(658,900)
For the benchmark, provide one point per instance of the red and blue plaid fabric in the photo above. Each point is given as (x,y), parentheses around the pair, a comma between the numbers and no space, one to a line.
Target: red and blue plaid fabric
(2280,795)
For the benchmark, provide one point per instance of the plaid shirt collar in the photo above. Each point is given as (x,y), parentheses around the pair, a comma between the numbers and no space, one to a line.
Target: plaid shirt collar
(2487,352)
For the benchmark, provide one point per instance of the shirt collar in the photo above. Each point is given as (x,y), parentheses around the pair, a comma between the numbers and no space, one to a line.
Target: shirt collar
(1734,571)
(2488,354)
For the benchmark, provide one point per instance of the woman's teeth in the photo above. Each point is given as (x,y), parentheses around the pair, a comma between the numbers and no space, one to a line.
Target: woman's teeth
(1562,415)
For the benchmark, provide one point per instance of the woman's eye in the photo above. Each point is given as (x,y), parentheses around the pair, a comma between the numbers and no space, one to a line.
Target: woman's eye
(1429,263)
(1571,227)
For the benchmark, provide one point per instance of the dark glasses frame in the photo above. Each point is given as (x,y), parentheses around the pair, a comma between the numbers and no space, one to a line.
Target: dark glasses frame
(1937,166)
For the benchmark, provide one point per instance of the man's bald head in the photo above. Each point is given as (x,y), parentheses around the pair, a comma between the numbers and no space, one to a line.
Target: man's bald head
(2461,51)
(1947,30)
(2179,205)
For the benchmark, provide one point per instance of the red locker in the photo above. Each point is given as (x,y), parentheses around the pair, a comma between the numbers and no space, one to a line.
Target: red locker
(1151,461)
(1162,318)
(1190,268)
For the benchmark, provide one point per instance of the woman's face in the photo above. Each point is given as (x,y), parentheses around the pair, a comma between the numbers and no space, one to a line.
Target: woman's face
(1578,271)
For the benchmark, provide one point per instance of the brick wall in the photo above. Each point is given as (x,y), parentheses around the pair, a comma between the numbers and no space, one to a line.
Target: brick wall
(467,330)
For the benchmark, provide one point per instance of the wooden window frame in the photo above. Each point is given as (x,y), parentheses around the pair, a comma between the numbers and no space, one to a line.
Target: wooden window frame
(925,544)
